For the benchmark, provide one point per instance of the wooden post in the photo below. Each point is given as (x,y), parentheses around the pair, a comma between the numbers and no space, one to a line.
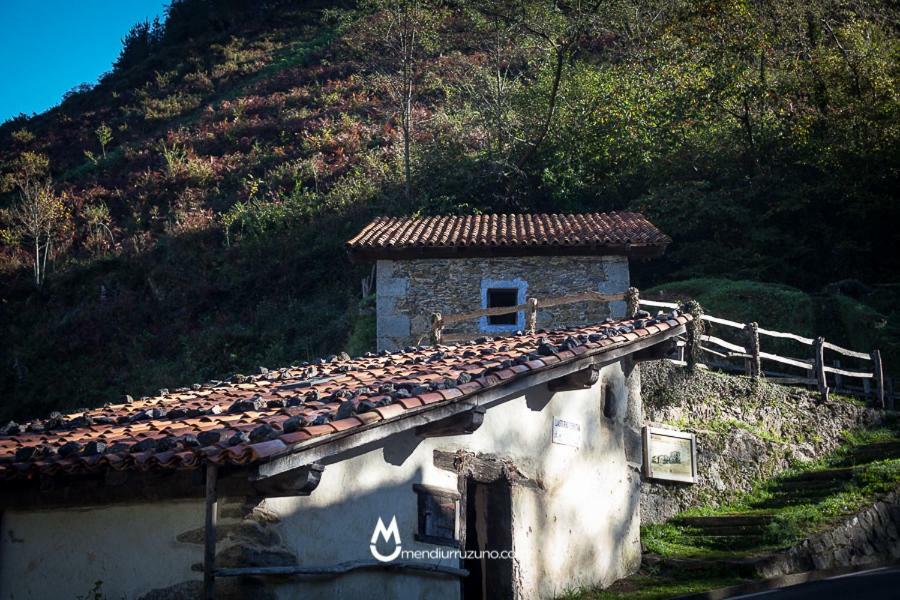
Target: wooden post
(819,362)
(633,298)
(437,328)
(531,316)
(754,363)
(694,333)
(889,394)
(879,379)
(209,530)
(838,378)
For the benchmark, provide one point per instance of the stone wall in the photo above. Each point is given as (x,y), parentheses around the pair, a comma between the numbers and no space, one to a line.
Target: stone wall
(408,291)
(872,535)
(744,432)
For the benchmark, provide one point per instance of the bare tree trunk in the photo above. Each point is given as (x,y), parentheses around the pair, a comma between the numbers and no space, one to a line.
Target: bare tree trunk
(551,109)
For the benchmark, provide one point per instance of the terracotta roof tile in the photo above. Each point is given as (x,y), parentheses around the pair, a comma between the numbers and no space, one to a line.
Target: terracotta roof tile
(514,233)
(256,418)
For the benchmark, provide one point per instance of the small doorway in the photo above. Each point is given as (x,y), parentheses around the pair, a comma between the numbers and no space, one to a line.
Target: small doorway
(488,524)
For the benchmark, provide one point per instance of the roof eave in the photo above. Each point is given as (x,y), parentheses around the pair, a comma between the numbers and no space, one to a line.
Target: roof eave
(636,251)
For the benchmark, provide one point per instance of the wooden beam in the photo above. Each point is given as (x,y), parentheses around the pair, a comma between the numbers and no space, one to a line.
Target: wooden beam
(531,316)
(111,487)
(656,304)
(298,482)
(819,363)
(437,328)
(331,571)
(787,336)
(633,299)
(725,322)
(845,352)
(754,366)
(720,342)
(209,534)
(879,379)
(579,380)
(800,364)
(846,373)
(657,352)
(460,424)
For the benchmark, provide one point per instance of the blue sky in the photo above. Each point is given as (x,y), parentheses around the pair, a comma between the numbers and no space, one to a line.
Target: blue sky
(47,47)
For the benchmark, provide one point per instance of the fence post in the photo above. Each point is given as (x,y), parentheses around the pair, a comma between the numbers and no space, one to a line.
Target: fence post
(838,378)
(754,366)
(694,332)
(819,363)
(531,316)
(879,379)
(437,328)
(633,298)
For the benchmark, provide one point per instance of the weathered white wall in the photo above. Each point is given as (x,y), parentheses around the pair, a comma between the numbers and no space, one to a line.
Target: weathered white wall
(130,549)
(579,528)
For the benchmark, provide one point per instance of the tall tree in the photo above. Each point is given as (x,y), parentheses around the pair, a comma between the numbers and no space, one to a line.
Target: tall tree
(39,216)
(395,37)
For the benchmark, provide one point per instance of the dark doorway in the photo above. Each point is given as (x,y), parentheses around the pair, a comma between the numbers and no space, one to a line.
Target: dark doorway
(488,528)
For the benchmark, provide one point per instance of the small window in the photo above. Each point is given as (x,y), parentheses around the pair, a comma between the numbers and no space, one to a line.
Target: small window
(502,297)
(610,402)
(503,292)
(437,515)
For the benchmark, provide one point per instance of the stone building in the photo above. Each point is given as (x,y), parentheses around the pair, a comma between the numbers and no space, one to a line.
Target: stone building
(345,478)
(455,264)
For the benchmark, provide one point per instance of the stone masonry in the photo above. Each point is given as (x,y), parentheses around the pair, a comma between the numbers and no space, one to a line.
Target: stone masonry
(870,536)
(408,291)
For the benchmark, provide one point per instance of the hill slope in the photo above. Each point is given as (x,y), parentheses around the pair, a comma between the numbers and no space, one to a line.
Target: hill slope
(246,141)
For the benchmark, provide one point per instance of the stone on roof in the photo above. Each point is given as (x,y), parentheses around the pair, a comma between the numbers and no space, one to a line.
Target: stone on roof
(251,419)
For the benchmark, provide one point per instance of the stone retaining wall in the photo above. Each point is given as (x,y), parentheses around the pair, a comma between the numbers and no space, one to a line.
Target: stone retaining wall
(745,432)
(870,536)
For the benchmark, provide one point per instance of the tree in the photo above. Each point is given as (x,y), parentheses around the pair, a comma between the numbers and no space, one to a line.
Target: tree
(141,41)
(39,217)
(395,40)
(104,136)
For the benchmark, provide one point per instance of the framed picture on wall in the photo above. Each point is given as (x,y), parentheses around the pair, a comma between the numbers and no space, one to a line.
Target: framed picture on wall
(670,455)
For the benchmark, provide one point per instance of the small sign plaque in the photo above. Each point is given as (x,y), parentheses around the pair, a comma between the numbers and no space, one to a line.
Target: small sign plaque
(670,455)
(566,433)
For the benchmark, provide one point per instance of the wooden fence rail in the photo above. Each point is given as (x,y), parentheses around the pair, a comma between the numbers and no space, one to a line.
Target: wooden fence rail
(815,366)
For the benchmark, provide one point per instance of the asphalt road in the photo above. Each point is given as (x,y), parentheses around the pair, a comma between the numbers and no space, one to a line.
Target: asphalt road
(874,584)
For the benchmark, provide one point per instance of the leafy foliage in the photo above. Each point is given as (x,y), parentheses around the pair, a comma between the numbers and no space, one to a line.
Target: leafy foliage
(761,136)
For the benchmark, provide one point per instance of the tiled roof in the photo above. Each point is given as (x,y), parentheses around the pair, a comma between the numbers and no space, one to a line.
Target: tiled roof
(509,234)
(251,419)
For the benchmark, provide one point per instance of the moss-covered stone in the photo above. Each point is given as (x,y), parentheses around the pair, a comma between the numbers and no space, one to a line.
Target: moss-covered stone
(746,432)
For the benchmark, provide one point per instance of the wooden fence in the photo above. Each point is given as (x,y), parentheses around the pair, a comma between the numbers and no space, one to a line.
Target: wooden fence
(816,368)
(720,352)
(439,321)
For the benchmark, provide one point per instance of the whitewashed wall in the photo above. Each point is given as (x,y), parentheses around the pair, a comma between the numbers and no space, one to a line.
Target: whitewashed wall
(581,527)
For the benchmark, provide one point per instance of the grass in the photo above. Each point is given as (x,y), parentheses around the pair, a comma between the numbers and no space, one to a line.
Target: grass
(791,524)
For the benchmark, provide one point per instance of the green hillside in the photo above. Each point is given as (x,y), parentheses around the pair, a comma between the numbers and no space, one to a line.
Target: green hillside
(201,192)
